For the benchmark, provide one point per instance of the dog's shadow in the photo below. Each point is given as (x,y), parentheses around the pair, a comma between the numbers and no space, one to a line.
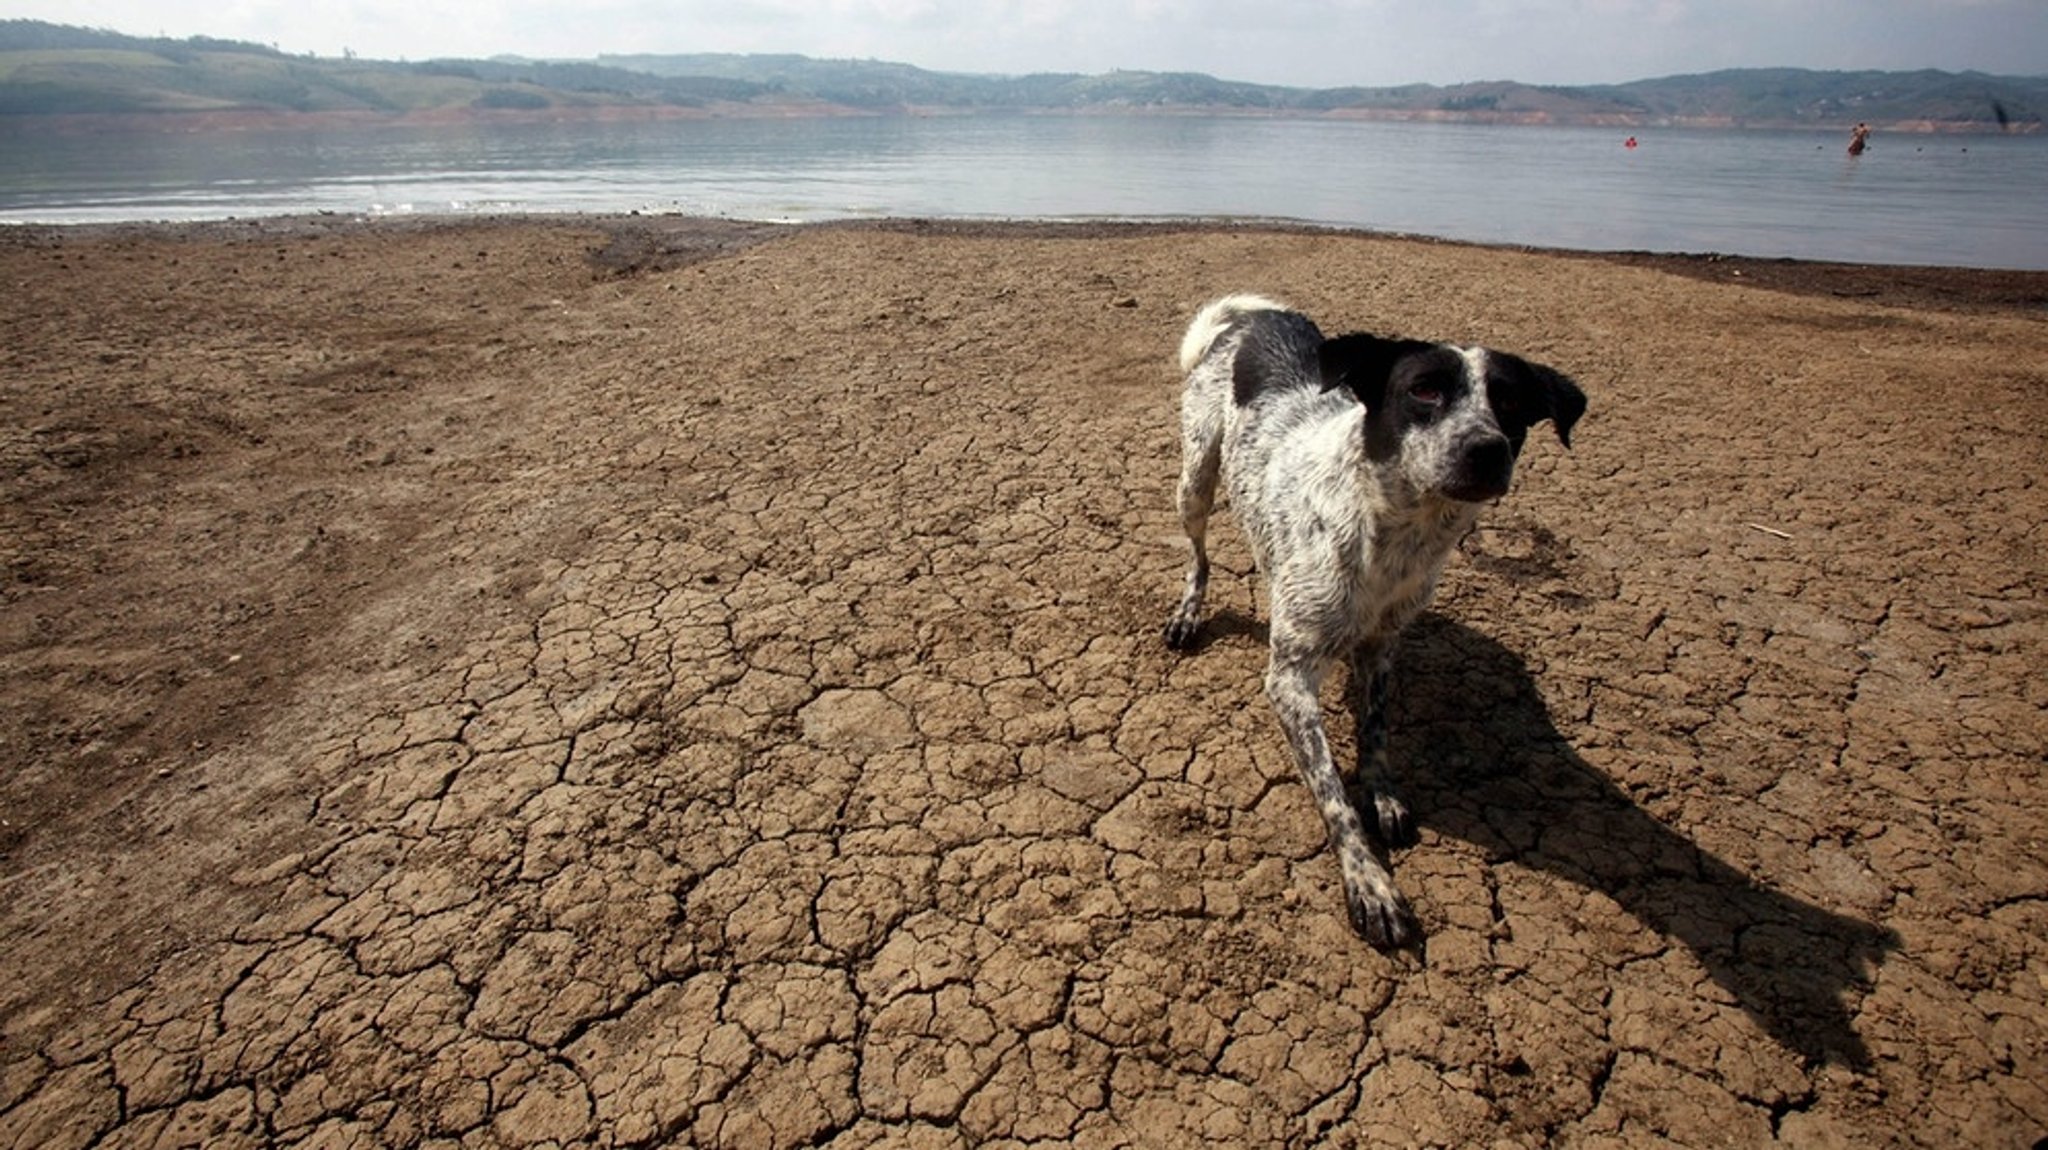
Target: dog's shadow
(1475,754)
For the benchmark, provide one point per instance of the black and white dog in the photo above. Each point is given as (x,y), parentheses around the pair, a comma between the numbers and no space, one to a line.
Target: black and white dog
(1354,465)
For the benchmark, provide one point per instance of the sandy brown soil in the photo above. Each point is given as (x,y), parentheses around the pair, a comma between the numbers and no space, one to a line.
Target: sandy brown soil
(638,682)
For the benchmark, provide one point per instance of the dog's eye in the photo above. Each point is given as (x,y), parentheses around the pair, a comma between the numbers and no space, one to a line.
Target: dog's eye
(1427,391)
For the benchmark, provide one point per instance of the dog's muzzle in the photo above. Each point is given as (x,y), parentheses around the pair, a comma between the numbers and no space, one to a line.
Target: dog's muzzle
(1484,468)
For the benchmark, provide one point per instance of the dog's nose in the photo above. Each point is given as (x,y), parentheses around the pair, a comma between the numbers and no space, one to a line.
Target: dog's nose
(1484,468)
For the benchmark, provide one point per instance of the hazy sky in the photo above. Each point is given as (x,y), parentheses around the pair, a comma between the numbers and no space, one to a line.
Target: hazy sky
(1310,43)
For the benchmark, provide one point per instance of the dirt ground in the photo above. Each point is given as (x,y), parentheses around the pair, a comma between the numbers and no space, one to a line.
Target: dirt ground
(632,682)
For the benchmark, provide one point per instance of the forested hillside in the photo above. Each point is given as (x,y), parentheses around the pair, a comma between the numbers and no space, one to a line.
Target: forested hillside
(55,69)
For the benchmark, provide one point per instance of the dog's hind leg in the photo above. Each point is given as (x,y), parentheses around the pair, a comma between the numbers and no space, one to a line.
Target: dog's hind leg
(1202,456)
(1372,676)
(1378,912)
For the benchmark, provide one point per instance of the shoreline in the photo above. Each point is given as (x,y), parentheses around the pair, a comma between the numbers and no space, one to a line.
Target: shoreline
(228,120)
(643,241)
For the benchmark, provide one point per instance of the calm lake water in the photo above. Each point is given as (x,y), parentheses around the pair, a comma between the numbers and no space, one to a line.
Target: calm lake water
(1956,200)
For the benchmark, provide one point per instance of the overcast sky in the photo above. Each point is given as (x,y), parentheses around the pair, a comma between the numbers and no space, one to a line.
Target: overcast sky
(1308,43)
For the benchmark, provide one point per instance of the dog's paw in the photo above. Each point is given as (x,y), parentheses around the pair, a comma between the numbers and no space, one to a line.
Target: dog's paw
(1396,825)
(1182,631)
(1385,923)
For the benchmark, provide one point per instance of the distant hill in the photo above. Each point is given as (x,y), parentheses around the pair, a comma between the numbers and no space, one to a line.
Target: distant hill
(1774,97)
(52,69)
(55,69)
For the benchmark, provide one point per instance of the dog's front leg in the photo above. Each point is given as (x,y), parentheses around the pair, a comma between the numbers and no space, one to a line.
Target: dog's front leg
(1202,459)
(1372,676)
(1378,912)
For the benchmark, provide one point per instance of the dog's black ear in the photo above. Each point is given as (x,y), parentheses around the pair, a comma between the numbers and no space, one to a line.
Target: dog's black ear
(1360,362)
(1567,402)
(1524,394)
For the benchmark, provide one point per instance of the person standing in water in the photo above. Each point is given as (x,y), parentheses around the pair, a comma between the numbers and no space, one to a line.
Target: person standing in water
(1859,139)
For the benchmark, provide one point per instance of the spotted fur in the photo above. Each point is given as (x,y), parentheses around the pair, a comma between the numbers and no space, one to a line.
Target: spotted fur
(1354,465)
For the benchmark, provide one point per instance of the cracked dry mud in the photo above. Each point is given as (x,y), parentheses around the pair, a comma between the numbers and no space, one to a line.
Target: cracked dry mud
(640,682)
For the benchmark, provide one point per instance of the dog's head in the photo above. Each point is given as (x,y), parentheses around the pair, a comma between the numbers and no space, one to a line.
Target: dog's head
(1451,420)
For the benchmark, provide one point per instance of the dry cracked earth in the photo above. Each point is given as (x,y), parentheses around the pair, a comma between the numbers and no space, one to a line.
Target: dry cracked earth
(663,682)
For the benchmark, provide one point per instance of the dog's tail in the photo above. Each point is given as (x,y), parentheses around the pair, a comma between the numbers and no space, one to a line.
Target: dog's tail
(1214,319)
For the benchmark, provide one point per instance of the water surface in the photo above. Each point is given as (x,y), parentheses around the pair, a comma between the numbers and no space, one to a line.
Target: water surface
(1946,200)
